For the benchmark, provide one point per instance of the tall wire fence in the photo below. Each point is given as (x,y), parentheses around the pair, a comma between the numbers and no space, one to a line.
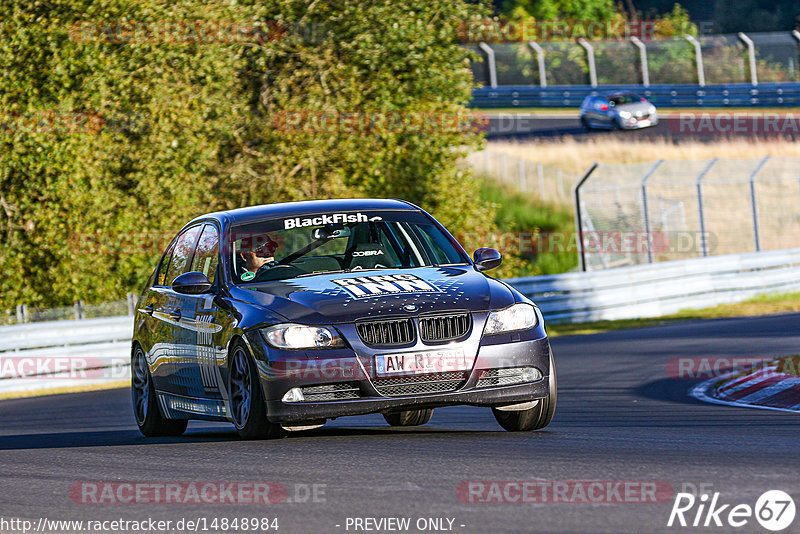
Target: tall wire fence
(670,210)
(546,182)
(664,210)
(712,59)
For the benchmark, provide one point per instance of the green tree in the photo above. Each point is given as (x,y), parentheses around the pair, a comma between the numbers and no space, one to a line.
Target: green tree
(550,10)
(108,145)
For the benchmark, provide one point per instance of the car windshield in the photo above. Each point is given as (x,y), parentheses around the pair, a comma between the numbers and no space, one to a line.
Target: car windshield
(277,249)
(619,100)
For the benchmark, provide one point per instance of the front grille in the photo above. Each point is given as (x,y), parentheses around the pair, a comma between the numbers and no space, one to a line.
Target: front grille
(503,377)
(391,332)
(445,327)
(331,392)
(420,384)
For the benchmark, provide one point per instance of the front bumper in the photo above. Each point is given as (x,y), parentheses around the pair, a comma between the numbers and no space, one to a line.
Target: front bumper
(638,124)
(281,372)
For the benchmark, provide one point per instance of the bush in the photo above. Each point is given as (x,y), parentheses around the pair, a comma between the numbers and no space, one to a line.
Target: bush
(139,137)
(529,233)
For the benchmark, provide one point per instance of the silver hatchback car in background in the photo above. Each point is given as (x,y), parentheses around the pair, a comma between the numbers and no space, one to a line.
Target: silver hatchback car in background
(618,110)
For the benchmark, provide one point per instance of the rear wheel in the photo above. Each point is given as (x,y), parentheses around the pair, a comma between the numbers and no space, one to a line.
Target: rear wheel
(248,410)
(586,124)
(539,416)
(409,417)
(145,406)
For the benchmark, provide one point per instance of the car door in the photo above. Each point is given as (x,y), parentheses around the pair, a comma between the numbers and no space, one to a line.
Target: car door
(150,331)
(175,311)
(209,319)
(599,110)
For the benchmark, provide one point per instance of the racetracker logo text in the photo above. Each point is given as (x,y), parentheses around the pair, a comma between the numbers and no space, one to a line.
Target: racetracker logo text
(385,284)
(336,218)
(211,492)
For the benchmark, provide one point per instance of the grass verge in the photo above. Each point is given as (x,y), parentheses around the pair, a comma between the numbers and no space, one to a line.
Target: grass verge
(761,305)
(519,220)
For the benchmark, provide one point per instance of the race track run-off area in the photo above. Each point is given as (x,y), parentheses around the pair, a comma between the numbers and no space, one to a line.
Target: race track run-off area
(626,438)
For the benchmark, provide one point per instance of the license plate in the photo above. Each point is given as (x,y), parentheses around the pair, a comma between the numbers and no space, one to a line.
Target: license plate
(422,362)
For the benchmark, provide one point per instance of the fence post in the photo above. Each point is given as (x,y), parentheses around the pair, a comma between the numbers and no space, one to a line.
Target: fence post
(79,311)
(578,218)
(22,313)
(642,60)
(540,171)
(540,60)
(486,160)
(590,58)
(751,52)
(756,234)
(698,54)
(560,178)
(647,228)
(699,183)
(490,62)
(132,300)
(523,185)
(504,167)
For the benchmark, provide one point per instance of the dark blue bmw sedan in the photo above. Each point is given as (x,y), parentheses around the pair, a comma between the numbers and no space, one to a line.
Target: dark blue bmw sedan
(279,317)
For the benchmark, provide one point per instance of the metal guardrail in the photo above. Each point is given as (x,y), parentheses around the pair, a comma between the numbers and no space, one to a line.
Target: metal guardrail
(776,94)
(661,288)
(57,354)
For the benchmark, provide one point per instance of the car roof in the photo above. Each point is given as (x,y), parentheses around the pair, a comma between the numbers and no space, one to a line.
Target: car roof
(294,209)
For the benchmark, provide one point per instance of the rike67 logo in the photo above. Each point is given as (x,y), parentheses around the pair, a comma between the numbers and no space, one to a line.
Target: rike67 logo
(774,510)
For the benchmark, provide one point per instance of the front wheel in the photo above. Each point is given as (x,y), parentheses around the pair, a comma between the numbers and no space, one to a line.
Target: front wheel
(409,417)
(534,418)
(145,406)
(248,410)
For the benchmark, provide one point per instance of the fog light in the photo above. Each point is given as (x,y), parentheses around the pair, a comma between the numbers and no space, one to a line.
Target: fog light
(530,374)
(294,395)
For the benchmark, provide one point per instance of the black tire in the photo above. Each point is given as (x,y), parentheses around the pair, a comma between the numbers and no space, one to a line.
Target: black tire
(409,417)
(146,411)
(534,418)
(244,387)
(586,125)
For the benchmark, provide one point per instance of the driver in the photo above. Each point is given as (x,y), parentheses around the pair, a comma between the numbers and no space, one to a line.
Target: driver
(257,254)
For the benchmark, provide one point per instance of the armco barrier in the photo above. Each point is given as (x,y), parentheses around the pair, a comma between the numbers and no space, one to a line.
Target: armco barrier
(661,288)
(773,94)
(96,351)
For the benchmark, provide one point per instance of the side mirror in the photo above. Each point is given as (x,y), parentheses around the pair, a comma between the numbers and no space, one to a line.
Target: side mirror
(192,283)
(487,258)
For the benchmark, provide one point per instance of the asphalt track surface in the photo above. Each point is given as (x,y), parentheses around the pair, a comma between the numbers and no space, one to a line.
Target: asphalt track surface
(554,127)
(620,417)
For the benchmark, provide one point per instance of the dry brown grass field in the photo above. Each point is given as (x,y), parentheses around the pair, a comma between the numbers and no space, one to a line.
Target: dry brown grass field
(576,156)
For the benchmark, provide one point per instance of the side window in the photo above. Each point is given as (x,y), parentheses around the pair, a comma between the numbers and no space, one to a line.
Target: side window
(161,277)
(182,255)
(438,246)
(206,257)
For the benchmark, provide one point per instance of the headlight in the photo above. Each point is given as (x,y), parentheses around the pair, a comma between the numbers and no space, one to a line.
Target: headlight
(651,110)
(625,114)
(298,336)
(517,317)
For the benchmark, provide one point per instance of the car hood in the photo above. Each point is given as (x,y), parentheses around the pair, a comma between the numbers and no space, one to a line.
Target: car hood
(633,107)
(345,297)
